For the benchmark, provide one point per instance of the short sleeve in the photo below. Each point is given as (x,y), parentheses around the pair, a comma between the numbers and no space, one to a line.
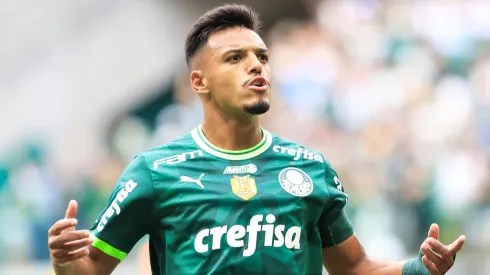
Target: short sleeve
(333,224)
(128,214)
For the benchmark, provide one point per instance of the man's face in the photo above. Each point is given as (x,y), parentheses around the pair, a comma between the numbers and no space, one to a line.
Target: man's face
(237,71)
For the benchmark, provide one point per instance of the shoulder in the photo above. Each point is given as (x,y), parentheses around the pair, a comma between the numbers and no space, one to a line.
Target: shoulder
(173,152)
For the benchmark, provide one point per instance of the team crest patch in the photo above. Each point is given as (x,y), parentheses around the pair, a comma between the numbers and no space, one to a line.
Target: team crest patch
(244,187)
(296,182)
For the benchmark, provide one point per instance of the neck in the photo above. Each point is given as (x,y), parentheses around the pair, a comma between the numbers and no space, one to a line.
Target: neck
(231,134)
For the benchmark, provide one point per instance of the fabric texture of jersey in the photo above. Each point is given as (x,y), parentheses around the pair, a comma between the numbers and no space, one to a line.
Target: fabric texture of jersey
(266,210)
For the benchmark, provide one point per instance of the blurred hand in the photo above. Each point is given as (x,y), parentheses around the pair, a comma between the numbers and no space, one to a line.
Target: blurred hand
(439,258)
(65,243)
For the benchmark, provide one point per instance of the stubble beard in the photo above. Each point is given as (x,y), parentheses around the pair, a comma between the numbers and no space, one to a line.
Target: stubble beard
(258,108)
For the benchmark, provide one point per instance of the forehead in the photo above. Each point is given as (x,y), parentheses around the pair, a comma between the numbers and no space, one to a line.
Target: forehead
(237,37)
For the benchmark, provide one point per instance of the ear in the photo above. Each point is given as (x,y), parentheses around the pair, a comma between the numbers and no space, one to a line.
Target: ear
(198,82)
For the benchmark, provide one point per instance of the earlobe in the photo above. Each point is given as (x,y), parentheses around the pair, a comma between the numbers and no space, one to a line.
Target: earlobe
(198,82)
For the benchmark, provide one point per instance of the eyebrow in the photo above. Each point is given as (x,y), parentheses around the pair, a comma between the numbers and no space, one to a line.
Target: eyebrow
(242,50)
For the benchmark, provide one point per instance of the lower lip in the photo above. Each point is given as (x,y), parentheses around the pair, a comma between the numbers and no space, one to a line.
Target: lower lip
(258,88)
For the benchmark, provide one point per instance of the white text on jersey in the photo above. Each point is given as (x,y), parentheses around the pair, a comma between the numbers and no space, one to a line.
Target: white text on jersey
(177,158)
(298,153)
(114,207)
(275,235)
(242,169)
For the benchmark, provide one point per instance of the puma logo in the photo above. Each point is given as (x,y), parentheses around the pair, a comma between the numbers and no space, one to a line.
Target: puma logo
(189,179)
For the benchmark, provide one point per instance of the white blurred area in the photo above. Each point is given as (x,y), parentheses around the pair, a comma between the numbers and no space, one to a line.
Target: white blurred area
(68,65)
(395,93)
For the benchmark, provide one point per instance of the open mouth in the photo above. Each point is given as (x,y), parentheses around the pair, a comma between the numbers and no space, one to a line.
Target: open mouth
(258,83)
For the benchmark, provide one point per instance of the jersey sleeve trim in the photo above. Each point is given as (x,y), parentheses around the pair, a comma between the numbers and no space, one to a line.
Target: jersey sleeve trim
(108,249)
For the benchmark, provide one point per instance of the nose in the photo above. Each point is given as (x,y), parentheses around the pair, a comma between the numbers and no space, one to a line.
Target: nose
(255,66)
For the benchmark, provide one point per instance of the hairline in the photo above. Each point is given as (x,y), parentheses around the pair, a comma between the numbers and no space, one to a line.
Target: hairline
(200,50)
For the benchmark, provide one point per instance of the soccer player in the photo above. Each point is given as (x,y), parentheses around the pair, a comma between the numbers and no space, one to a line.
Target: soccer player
(230,197)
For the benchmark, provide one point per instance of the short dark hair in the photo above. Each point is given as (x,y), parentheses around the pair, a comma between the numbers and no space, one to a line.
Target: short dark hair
(220,18)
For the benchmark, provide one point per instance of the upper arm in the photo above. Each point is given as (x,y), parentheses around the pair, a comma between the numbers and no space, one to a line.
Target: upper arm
(345,257)
(127,217)
(342,251)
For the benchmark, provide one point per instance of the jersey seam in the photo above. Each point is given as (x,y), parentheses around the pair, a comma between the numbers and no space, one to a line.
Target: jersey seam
(150,231)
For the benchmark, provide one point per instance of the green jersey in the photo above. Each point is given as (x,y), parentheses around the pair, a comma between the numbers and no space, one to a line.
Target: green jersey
(266,210)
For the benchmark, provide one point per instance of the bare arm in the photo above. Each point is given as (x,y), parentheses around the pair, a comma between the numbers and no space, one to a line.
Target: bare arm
(71,250)
(96,263)
(144,259)
(344,255)
(110,239)
(350,258)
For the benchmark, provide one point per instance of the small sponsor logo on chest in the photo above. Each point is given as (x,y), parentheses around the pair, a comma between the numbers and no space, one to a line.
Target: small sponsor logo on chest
(242,169)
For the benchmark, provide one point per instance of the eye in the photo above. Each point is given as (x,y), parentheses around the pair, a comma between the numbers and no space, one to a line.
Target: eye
(264,57)
(235,58)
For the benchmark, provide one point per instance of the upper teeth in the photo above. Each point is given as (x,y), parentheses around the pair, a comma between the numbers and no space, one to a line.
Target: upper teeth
(257,83)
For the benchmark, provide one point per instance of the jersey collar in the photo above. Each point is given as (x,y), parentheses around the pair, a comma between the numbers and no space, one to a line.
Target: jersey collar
(249,153)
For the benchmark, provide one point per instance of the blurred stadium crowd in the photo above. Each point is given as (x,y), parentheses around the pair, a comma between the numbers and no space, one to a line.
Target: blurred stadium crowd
(396,94)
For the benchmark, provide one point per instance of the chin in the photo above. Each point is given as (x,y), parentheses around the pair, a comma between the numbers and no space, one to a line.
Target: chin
(258,108)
